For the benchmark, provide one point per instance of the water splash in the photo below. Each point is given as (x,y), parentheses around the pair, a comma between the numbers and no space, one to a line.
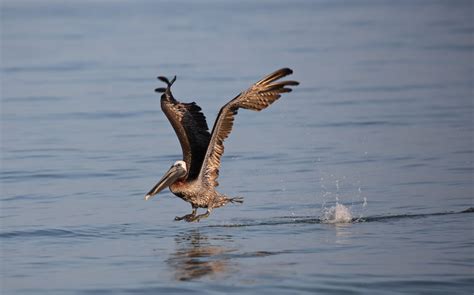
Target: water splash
(337,214)
(340,189)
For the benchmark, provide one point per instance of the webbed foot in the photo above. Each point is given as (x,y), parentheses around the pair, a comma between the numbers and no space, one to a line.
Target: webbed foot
(186,217)
(235,200)
(197,218)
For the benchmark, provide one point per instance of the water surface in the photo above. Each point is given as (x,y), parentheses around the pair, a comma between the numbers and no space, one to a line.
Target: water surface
(382,124)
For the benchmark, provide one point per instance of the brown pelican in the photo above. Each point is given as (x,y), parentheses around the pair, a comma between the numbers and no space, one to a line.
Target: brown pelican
(194,179)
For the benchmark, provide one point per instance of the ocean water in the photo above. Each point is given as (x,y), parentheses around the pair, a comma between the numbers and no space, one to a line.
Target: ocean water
(360,181)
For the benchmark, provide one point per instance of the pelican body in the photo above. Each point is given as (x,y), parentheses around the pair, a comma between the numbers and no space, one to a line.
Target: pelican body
(194,179)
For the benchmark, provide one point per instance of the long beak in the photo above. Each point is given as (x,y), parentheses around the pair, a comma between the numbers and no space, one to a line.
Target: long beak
(169,178)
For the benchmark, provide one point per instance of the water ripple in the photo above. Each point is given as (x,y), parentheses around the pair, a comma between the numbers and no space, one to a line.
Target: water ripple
(317,220)
(54,232)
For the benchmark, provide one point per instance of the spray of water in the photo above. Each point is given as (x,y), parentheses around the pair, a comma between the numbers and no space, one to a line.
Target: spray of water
(336,189)
(337,214)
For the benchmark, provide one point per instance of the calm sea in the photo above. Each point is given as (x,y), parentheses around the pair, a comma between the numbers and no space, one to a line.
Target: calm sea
(358,182)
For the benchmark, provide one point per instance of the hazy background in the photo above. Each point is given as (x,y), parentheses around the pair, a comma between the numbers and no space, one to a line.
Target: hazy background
(382,122)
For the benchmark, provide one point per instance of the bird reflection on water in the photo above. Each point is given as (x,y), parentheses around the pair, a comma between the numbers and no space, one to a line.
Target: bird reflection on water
(198,256)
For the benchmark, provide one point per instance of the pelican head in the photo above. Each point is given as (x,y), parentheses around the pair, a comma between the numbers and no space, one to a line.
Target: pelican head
(178,170)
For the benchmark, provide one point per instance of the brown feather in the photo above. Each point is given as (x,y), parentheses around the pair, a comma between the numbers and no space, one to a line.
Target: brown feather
(190,126)
(259,96)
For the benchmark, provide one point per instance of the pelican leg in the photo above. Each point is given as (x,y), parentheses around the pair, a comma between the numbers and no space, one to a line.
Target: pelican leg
(187,216)
(197,218)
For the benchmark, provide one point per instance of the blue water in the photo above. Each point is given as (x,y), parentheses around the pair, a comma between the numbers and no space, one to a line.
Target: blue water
(382,124)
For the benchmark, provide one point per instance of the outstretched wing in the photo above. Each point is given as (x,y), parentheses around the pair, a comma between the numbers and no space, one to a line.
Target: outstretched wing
(190,126)
(259,96)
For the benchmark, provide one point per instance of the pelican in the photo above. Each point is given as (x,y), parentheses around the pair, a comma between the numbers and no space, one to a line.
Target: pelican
(194,179)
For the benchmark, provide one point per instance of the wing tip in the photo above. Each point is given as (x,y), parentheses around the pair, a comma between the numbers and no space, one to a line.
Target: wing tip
(278,74)
(165,90)
(286,71)
(166,80)
(163,79)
